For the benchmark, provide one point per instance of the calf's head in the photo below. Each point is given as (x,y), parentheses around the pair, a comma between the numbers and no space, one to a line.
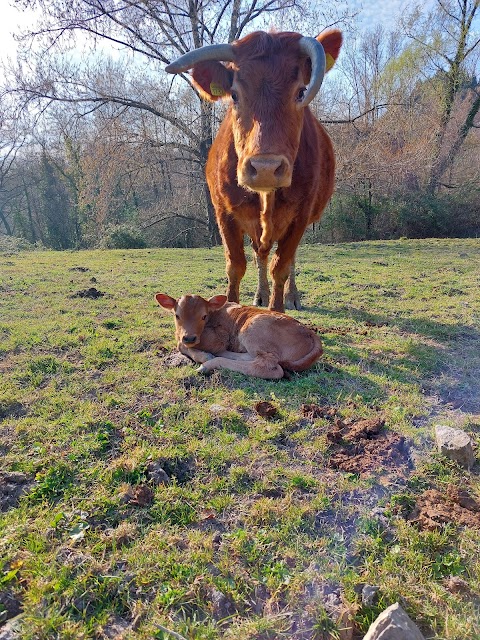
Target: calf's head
(191,315)
(270,79)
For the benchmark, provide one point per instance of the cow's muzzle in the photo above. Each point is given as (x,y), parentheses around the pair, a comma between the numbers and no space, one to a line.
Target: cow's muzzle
(265,172)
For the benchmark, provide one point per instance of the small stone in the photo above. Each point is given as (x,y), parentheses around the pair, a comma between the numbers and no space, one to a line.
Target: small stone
(393,624)
(156,473)
(222,607)
(455,444)
(454,584)
(369,595)
(217,408)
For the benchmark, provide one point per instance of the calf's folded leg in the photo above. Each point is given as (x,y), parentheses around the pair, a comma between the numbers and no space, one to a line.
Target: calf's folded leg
(197,355)
(259,367)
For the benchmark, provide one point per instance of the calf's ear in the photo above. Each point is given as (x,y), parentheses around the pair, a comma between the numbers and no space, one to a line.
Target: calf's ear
(331,41)
(217,302)
(165,301)
(212,79)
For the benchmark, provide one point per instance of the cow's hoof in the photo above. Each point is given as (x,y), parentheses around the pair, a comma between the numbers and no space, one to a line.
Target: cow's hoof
(258,301)
(293,302)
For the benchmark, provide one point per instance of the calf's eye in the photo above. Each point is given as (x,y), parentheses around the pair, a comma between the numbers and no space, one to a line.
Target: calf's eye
(234,95)
(204,317)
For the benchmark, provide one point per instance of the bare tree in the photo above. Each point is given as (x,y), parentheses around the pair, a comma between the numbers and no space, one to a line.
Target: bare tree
(449,38)
(143,36)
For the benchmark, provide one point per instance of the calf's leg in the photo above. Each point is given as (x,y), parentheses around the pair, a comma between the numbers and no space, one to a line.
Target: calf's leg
(261,366)
(197,355)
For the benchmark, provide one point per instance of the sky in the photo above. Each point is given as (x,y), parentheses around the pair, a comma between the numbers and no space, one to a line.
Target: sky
(372,12)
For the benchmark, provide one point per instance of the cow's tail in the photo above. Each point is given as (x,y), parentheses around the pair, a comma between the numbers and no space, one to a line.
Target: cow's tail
(310,358)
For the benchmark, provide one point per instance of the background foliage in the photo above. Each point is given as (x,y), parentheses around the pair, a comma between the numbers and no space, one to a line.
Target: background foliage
(95,135)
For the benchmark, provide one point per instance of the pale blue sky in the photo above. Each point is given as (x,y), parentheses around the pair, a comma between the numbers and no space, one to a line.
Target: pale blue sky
(386,12)
(372,12)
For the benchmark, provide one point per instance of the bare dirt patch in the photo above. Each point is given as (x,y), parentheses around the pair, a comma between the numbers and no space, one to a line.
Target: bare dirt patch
(12,486)
(364,447)
(92,293)
(434,509)
(175,359)
(10,605)
(266,410)
(315,411)
(12,409)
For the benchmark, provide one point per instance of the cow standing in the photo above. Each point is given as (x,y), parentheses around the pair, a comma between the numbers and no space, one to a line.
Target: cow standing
(271,168)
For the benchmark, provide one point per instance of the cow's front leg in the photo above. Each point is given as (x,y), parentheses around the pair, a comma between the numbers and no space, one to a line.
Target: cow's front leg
(262,296)
(236,262)
(280,267)
(291,297)
(197,355)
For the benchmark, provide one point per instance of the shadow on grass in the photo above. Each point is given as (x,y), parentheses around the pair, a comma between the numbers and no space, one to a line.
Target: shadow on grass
(444,358)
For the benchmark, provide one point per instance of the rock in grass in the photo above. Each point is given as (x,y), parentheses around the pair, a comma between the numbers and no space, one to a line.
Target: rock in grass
(156,473)
(393,624)
(11,630)
(370,595)
(455,444)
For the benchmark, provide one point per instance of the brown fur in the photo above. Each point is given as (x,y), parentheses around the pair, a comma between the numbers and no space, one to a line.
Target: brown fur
(220,334)
(293,177)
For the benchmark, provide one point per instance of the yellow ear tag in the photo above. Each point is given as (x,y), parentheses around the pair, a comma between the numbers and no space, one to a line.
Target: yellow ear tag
(217,89)
(329,61)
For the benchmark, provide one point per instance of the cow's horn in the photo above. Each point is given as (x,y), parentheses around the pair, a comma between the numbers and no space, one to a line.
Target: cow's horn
(314,50)
(219,52)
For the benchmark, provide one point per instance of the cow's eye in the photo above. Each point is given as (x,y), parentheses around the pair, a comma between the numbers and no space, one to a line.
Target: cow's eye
(177,316)
(234,95)
(204,317)
(301,94)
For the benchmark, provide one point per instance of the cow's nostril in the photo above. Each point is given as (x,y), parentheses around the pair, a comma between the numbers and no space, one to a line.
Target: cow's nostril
(250,169)
(189,339)
(281,170)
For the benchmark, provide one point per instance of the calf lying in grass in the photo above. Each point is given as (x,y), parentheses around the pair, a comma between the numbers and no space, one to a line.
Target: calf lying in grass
(226,335)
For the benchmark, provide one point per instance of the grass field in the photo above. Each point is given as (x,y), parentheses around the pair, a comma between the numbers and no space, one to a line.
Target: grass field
(140,498)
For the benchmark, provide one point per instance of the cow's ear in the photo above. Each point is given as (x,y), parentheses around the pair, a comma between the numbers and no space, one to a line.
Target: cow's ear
(212,79)
(217,302)
(165,301)
(331,41)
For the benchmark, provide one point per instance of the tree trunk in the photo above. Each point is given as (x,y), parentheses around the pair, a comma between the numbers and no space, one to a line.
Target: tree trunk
(3,219)
(205,145)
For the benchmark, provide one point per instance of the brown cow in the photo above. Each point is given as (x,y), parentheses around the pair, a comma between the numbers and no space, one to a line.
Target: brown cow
(270,170)
(226,335)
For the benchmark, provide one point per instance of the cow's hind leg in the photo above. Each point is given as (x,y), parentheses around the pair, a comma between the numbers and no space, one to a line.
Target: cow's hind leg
(291,297)
(261,366)
(262,296)
(281,262)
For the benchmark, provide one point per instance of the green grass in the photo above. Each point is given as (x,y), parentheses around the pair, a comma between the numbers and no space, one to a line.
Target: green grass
(254,523)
